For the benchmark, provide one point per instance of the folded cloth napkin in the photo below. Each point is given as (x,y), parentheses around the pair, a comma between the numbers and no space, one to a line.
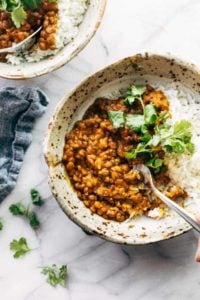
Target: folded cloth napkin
(19,108)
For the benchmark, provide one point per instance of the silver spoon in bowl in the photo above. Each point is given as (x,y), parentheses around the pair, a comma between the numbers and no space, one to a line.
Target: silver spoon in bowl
(23,45)
(174,206)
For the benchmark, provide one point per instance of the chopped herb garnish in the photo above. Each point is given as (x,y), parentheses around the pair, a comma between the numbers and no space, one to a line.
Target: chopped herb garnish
(36,198)
(56,275)
(145,134)
(135,93)
(20,247)
(155,164)
(134,122)
(140,149)
(178,138)
(18,16)
(175,139)
(116,118)
(150,114)
(31,4)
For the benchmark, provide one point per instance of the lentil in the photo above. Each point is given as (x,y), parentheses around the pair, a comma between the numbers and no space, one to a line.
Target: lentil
(103,179)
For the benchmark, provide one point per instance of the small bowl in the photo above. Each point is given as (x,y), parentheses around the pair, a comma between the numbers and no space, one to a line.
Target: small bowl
(139,68)
(88,27)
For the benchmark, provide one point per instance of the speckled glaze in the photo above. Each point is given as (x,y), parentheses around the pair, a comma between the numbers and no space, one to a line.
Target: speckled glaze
(88,27)
(136,68)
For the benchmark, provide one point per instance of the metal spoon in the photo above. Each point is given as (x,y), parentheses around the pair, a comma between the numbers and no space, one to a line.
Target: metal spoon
(24,45)
(174,206)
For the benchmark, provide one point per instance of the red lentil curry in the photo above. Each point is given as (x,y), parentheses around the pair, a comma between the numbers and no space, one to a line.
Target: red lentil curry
(114,135)
(19,19)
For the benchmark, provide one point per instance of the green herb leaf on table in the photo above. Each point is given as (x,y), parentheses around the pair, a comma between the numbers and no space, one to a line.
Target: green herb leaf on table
(116,118)
(56,275)
(36,198)
(18,16)
(18,209)
(20,247)
(1,226)
(33,220)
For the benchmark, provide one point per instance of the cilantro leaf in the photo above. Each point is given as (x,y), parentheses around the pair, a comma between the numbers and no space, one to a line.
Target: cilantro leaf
(56,275)
(155,164)
(1,225)
(19,247)
(36,198)
(134,122)
(154,141)
(33,220)
(150,114)
(32,4)
(18,209)
(116,118)
(145,134)
(18,16)
(9,5)
(135,93)
(178,139)
(182,131)
(140,149)
(190,147)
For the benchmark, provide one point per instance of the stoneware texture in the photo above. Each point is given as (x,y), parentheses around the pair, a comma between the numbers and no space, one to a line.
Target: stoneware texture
(87,29)
(142,68)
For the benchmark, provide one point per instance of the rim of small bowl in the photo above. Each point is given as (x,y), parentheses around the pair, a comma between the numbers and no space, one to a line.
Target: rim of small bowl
(65,60)
(180,61)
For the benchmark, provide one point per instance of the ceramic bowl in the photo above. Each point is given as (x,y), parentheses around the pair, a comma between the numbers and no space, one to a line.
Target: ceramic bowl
(141,68)
(87,29)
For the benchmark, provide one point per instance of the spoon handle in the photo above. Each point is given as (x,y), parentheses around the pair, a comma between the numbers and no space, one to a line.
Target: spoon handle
(178,209)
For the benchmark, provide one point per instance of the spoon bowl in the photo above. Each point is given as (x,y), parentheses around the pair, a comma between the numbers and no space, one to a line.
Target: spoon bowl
(144,170)
(23,45)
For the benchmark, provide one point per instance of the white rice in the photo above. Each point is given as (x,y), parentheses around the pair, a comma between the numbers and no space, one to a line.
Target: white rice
(185,169)
(70,16)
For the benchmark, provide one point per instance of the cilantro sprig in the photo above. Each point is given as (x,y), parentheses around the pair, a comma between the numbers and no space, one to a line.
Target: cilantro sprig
(56,275)
(135,92)
(19,247)
(36,198)
(18,209)
(156,131)
(1,225)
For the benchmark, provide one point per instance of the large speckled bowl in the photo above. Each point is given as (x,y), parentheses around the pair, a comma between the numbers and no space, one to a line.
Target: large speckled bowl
(141,68)
(87,29)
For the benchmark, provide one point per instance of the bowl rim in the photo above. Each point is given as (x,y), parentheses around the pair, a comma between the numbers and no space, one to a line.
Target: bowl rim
(65,60)
(165,55)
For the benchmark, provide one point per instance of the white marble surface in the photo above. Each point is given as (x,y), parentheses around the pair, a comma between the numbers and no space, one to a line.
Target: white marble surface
(100,270)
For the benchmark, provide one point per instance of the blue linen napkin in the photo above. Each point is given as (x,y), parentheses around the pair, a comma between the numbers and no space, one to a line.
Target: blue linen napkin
(19,109)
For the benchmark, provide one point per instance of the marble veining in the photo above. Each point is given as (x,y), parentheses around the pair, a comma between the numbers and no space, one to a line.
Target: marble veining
(99,269)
